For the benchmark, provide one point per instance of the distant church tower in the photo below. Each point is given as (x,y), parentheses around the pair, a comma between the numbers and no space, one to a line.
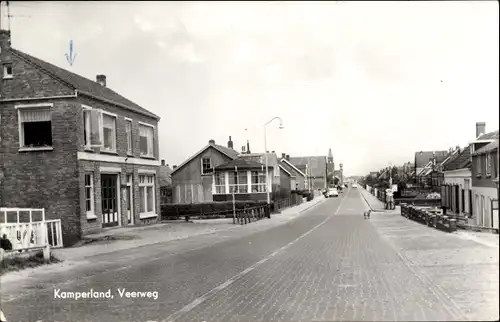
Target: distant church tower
(330,163)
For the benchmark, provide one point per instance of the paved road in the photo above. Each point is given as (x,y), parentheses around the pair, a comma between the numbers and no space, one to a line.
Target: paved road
(327,264)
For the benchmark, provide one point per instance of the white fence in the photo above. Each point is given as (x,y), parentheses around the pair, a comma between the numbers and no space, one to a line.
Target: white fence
(27,228)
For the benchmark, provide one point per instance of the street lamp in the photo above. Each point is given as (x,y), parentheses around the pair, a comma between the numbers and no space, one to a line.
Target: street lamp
(265,150)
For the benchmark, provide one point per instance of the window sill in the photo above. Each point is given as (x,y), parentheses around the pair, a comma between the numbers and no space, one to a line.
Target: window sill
(150,157)
(108,152)
(131,155)
(488,176)
(91,216)
(45,148)
(8,77)
(87,149)
(147,215)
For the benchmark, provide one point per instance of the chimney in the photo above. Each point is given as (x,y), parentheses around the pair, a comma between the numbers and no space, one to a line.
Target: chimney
(288,157)
(248,147)
(480,128)
(243,149)
(273,151)
(283,155)
(211,142)
(162,162)
(174,167)
(230,143)
(4,39)
(101,79)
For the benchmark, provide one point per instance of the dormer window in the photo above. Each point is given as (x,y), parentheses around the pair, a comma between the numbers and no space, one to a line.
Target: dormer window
(7,71)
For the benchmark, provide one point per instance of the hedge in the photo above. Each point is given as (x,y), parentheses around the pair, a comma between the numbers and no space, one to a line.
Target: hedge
(210,209)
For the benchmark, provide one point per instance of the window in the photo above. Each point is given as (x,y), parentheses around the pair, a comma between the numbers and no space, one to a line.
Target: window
(35,127)
(92,127)
(238,182)
(147,195)
(146,140)
(258,181)
(128,129)
(109,132)
(276,170)
(220,183)
(206,165)
(7,71)
(478,165)
(89,196)
(488,164)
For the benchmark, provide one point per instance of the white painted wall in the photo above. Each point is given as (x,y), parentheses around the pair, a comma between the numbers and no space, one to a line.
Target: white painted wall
(459,177)
(482,204)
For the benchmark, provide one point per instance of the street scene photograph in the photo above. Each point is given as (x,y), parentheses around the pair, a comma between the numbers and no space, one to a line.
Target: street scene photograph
(290,161)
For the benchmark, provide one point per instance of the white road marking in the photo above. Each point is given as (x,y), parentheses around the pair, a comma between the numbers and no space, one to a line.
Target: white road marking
(213,291)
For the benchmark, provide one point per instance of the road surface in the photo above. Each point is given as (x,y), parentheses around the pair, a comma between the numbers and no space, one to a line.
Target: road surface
(328,264)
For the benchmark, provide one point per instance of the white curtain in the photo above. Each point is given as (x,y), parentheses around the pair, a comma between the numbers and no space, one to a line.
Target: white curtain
(148,133)
(38,115)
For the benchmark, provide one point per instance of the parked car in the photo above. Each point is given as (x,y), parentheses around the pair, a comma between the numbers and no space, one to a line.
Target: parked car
(332,192)
(354,185)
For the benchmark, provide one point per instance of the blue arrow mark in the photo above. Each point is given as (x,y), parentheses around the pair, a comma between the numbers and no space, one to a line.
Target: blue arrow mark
(70,57)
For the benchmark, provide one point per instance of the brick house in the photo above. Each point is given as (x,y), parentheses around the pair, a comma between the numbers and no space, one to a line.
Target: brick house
(192,179)
(51,123)
(315,168)
(484,171)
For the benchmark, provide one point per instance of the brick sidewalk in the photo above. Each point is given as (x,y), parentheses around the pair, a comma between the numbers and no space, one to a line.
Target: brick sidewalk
(461,265)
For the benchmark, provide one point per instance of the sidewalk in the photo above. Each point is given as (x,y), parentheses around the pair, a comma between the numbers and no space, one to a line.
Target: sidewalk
(126,238)
(371,200)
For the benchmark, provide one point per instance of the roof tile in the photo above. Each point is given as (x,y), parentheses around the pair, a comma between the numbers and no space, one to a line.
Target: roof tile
(82,84)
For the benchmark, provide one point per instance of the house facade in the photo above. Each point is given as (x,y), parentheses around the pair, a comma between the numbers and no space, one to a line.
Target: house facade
(74,147)
(300,177)
(484,171)
(456,192)
(192,180)
(245,179)
(423,160)
(315,168)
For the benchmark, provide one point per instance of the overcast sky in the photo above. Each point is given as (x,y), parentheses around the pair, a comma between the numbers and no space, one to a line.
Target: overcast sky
(374,82)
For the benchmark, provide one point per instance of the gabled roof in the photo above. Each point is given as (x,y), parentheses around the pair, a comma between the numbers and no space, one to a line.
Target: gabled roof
(488,136)
(222,149)
(487,148)
(241,164)
(423,157)
(83,85)
(317,164)
(272,158)
(461,161)
(289,164)
(286,171)
(451,156)
(425,168)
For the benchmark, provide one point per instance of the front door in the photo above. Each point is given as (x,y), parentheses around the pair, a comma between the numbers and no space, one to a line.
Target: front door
(109,199)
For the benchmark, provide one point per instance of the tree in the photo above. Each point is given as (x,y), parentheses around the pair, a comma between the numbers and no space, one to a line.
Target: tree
(329,178)
(335,181)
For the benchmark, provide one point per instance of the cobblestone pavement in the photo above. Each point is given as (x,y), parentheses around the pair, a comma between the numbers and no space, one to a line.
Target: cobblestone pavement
(328,264)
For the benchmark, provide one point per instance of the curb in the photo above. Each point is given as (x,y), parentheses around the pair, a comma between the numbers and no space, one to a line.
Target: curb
(370,206)
(304,210)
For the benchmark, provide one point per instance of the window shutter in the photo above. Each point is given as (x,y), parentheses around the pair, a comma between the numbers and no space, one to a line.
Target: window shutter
(38,115)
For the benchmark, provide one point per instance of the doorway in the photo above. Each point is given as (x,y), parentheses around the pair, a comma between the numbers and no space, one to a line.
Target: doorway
(109,198)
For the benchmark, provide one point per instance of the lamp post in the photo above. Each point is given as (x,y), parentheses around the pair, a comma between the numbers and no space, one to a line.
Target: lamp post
(265,150)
